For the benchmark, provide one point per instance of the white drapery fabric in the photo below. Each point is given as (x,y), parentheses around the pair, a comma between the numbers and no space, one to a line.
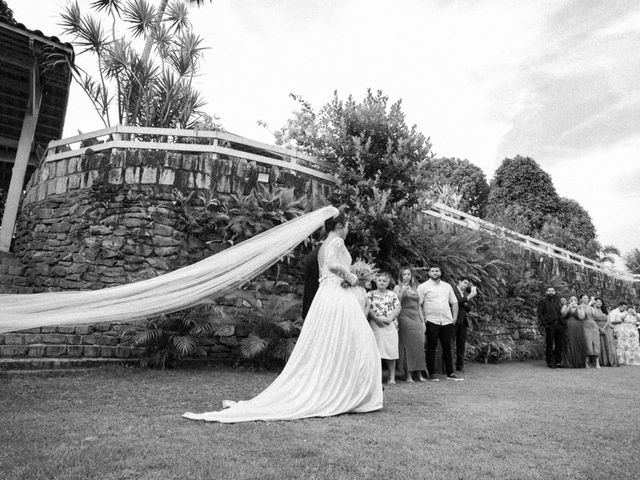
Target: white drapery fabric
(188,286)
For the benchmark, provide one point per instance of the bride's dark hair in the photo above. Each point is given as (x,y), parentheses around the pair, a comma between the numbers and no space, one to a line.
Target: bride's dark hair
(332,223)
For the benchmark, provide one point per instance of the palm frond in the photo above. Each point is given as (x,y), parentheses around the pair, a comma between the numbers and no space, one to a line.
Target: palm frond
(177,15)
(252,346)
(141,15)
(110,6)
(184,345)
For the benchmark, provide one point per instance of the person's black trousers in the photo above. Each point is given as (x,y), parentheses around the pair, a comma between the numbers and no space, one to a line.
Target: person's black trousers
(461,344)
(554,342)
(443,333)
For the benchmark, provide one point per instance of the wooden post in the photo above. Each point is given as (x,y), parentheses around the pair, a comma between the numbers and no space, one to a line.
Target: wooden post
(22,160)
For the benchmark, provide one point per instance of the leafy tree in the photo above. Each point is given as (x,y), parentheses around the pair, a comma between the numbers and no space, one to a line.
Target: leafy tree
(570,227)
(632,260)
(521,195)
(6,14)
(378,160)
(147,90)
(465,178)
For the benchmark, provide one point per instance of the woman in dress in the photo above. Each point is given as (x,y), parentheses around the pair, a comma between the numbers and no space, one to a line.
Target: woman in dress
(625,328)
(575,348)
(335,366)
(591,331)
(411,328)
(608,356)
(384,308)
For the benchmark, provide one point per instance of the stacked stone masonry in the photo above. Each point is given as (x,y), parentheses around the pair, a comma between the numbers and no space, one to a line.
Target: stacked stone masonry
(111,217)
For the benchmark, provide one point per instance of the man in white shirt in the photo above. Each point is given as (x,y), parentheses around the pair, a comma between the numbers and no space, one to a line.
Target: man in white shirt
(440,306)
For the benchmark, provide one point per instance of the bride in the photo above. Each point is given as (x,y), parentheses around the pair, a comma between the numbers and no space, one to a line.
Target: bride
(335,366)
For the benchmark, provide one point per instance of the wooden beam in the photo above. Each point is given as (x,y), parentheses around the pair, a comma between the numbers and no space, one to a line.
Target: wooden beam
(22,159)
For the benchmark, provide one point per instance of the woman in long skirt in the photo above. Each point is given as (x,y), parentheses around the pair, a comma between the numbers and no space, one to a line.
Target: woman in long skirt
(576,346)
(608,356)
(411,328)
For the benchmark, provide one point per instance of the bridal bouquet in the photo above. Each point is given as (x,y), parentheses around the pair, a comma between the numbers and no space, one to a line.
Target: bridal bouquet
(365,272)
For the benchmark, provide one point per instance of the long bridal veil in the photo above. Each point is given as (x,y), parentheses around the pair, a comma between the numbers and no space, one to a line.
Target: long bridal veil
(188,286)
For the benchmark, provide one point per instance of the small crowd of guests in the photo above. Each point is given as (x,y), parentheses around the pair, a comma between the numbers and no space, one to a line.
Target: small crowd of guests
(582,333)
(400,319)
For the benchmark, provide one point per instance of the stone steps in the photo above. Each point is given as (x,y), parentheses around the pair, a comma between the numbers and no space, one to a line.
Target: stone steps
(47,365)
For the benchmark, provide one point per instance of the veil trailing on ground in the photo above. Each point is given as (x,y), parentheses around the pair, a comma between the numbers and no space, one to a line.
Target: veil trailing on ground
(188,286)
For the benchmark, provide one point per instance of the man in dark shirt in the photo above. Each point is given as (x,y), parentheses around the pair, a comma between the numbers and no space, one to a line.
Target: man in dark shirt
(311,278)
(550,318)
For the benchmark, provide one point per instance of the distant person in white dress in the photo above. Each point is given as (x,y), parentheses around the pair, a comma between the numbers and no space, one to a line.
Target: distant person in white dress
(335,366)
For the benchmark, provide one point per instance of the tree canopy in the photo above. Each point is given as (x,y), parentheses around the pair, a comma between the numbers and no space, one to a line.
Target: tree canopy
(521,194)
(465,178)
(378,158)
(632,260)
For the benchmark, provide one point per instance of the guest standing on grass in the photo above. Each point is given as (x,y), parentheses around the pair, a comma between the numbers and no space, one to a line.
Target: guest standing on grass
(440,307)
(625,321)
(608,357)
(550,318)
(384,308)
(411,327)
(591,332)
(465,292)
(575,350)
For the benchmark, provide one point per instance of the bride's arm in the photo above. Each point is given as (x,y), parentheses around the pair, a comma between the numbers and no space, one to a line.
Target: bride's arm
(332,260)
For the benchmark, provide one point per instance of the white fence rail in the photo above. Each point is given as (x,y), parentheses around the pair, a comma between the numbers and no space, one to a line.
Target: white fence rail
(457,217)
(196,141)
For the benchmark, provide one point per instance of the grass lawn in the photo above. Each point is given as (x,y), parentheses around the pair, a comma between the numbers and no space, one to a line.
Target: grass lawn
(515,420)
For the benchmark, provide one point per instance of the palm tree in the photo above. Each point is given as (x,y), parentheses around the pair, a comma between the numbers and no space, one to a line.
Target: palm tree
(148,91)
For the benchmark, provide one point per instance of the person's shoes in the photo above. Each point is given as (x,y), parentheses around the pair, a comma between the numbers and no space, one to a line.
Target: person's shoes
(453,376)
(391,382)
(559,365)
(461,370)
(551,366)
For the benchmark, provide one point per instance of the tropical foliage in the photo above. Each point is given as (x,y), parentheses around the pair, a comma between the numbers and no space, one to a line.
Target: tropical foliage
(272,327)
(149,88)
(213,220)
(179,335)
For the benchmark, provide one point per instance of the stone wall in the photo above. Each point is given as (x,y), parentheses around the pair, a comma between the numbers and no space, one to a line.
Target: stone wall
(110,218)
(517,329)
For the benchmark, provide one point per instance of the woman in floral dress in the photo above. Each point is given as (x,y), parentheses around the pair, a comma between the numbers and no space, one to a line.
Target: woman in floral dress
(626,331)
(384,308)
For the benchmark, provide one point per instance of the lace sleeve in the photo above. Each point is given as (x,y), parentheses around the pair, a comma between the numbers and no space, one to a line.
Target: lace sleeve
(335,251)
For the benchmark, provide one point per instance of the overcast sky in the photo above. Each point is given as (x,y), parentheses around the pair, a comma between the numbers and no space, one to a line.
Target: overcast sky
(555,80)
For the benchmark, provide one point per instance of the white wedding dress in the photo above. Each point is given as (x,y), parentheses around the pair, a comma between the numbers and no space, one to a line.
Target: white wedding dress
(335,366)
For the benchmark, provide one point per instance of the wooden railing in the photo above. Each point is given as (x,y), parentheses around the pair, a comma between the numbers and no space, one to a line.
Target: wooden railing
(457,217)
(196,141)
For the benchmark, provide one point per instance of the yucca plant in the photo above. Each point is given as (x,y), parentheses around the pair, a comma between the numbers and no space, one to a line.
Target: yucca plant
(178,335)
(152,88)
(274,326)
